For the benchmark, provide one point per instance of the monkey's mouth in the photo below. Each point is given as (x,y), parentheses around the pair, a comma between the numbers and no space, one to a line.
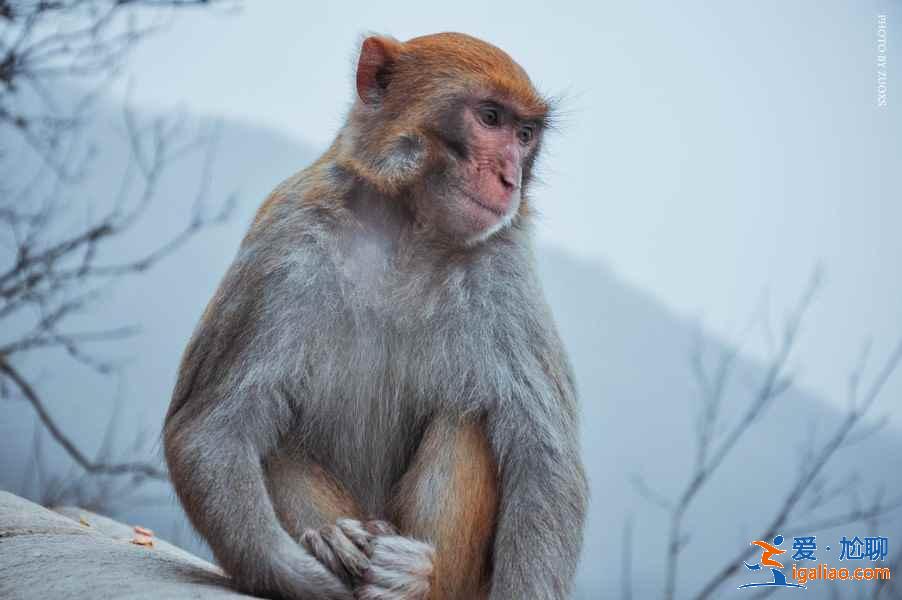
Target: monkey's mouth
(498,212)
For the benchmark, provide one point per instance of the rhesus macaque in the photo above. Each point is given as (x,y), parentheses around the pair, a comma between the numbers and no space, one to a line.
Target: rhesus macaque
(376,403)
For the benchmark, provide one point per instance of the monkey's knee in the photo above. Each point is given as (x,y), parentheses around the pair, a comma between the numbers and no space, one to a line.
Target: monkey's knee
(458,515)
(305,496)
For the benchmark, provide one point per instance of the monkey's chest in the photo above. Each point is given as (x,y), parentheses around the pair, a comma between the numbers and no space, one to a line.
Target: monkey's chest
(377,388)
(391,354)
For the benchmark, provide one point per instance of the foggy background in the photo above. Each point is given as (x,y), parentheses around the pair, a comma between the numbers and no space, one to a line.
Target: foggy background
(708,160)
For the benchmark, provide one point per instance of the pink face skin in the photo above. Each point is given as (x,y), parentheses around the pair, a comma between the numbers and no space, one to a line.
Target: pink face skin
(492,173)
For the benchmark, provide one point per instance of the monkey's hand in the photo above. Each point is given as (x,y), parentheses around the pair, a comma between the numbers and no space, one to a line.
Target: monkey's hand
(345,547)
(374,559)
(400,568)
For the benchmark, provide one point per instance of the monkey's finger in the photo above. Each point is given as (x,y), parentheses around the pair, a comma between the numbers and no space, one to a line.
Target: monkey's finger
(354,560)
(322,551)
(357,533)
(380,528)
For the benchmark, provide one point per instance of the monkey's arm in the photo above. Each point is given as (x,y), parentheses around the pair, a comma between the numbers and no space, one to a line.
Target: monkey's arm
(217,473)
(543,486)
(228,413)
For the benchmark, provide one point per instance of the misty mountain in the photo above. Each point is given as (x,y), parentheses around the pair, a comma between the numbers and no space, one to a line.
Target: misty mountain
(630,353)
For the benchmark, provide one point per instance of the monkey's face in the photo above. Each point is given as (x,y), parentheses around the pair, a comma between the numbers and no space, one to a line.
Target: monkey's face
(452,123)
(476,187)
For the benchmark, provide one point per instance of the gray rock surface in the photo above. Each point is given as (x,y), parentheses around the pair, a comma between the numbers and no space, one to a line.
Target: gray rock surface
(72,553)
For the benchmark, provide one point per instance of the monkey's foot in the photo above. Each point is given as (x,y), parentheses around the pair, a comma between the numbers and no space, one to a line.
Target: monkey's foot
(400,569)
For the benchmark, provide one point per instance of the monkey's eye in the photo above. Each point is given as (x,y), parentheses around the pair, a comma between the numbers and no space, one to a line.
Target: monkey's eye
(526,134)
(490,116)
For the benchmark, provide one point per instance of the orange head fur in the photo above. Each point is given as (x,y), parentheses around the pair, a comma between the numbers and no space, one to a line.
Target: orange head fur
(404,92)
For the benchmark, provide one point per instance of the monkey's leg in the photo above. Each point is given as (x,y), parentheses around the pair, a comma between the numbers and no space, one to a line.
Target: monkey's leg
(449,498)
(306,496)
(317,511)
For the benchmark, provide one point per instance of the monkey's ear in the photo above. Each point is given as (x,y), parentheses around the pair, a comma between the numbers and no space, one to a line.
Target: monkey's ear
(377,54)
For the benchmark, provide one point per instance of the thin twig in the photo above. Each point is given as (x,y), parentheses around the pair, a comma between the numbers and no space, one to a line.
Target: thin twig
(29,393)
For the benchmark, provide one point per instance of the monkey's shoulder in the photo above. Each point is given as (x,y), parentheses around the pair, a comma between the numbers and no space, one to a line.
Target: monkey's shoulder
(312,194)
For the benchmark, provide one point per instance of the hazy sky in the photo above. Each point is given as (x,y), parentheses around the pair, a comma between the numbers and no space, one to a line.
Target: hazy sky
(707,151)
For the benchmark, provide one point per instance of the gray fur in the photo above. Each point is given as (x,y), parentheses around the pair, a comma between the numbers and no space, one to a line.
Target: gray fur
(339,334)
(343,348)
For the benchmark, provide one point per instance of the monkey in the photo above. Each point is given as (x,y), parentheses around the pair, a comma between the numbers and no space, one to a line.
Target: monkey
(376,403)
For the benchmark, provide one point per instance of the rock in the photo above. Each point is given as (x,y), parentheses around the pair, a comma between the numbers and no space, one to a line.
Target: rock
(49,555)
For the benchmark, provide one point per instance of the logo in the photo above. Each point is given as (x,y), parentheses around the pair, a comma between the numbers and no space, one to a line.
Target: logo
(776,567)
(873,549)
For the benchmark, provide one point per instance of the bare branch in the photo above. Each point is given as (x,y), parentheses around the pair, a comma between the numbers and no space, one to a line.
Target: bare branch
(96,467)
(52,269)
(857,514)
(42,43)
(710,454)
(855,411)
(649,494)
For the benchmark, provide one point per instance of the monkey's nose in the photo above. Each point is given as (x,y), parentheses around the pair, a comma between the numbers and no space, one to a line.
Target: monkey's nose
(510,177)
